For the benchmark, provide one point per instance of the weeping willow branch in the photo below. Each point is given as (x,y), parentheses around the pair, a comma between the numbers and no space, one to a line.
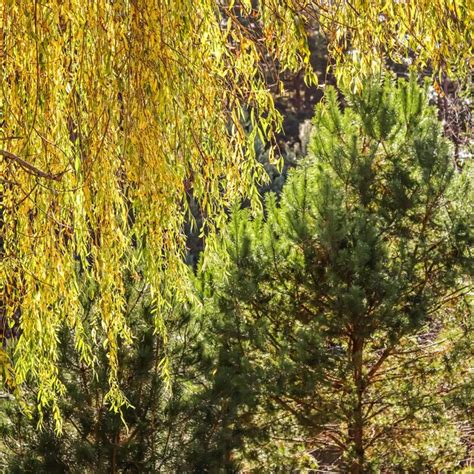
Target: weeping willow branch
(29,168)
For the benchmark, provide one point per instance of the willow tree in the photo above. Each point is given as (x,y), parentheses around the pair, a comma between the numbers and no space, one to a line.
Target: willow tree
(112,111)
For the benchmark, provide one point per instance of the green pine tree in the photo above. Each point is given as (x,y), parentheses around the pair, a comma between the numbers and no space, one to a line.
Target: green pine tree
(340,317)
(148,436)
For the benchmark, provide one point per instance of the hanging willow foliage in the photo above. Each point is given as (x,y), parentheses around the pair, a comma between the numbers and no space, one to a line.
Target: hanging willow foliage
(111,111)
(434,35)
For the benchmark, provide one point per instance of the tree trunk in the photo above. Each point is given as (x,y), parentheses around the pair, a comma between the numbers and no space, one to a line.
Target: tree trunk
(356,425)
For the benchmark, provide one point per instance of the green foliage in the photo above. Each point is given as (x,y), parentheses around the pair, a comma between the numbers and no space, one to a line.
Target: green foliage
(343,310)
(147,436)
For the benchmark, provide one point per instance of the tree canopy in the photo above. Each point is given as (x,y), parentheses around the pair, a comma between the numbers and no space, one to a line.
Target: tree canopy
(113,112)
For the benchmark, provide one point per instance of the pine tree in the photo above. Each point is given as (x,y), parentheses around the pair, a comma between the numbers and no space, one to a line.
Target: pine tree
(344,309)
(149,434)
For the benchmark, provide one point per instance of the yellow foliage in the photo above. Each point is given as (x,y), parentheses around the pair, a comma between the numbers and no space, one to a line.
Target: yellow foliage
(436,35)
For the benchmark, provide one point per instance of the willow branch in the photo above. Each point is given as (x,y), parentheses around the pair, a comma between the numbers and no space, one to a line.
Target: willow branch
(28,167)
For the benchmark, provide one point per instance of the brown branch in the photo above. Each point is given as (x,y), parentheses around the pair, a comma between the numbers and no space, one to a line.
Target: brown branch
(379,363)
(29,168)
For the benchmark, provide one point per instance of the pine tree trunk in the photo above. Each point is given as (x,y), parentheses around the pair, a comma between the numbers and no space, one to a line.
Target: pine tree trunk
(356,427)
